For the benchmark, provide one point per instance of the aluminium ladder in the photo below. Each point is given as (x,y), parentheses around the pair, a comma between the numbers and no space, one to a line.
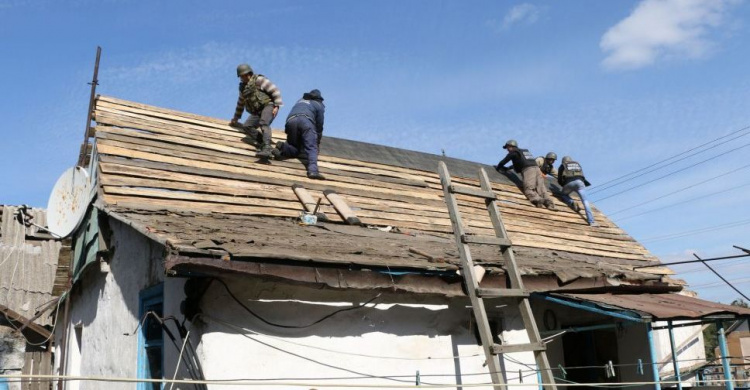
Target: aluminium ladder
(476,294)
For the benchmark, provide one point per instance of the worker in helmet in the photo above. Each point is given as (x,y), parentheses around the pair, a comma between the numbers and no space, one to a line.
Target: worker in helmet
(570,177)
(262,99)
(304,130)
(547,164)
(534,186)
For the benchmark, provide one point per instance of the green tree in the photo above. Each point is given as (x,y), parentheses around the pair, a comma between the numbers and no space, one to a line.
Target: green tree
(711,339)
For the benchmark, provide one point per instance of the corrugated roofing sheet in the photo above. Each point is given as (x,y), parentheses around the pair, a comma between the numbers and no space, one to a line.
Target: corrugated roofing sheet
(661,306)
(27,265)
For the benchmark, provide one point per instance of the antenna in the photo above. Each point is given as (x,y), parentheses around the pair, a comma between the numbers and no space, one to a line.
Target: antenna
(94,82)
(68,201)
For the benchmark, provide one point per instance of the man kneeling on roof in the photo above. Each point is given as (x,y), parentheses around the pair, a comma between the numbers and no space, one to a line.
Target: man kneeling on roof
(304,130)
(262,99)
(570,176)
(534,185)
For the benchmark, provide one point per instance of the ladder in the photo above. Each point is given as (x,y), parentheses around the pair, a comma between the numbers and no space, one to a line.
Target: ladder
(516,292)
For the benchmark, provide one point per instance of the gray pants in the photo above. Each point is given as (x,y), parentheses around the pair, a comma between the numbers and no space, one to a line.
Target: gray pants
(534,185)
(264,122)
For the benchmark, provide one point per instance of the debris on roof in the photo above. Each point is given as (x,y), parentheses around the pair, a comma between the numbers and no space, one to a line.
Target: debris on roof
(194,183)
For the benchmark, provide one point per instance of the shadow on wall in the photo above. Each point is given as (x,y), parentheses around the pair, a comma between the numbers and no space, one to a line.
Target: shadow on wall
(300,306)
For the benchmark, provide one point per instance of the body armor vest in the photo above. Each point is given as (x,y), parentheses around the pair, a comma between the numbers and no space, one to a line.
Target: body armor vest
(572,171)
(255,98)
(529,159)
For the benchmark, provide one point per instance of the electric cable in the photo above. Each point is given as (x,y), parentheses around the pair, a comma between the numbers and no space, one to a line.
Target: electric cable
(323,363)
(254,314)
(696,231)
(670,174)
(618,179)
(670,205)
(237,327)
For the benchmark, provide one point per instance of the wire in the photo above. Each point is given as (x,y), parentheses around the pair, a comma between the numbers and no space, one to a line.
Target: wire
(671,173)
(670,205)
(618,179)
(696,231)
(237,327)
(254,314)
(322,363)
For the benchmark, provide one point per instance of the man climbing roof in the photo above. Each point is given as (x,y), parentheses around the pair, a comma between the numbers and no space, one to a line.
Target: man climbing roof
(261,99)
(304,130)
(534,186)
(570,177)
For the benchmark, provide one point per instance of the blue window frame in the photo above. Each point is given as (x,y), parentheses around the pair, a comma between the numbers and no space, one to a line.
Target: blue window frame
(151,337)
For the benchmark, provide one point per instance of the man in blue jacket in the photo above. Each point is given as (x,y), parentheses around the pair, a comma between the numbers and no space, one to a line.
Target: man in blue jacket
(304,130)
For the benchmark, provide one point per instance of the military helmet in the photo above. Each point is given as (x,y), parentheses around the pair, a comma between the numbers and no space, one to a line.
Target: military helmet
(567,159)
(551,156)
(511,142)
(243,69)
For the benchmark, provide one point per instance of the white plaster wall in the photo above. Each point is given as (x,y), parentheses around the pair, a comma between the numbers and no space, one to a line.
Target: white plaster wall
(105,305)
(632,342)
(401,335)
(689,355)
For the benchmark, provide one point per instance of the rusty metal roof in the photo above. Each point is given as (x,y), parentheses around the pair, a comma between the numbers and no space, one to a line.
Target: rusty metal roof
(660,306)
(28,264)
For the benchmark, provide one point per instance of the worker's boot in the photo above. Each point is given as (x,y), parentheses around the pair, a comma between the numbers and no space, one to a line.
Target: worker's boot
(549,205)
(276,151)
(537,203)
(265,151)
(315,176)
(575,207)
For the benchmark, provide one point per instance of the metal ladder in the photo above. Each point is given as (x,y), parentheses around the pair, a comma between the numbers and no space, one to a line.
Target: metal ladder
(516,291)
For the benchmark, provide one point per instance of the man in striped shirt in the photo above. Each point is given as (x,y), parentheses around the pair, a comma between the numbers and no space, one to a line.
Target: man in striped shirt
(262,99)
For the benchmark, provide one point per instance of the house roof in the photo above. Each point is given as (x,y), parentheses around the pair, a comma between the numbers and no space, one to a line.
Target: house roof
(659,307)
(28,264)
(193,183)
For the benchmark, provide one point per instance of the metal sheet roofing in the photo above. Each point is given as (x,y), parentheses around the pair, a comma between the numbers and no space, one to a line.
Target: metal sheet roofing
(660,306)
(27,265)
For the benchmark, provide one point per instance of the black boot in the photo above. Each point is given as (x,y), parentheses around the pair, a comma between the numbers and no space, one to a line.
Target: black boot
(315,176)
(265,151)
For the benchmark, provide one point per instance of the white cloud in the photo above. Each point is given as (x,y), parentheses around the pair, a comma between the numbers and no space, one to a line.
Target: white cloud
(663,29)
(524,13)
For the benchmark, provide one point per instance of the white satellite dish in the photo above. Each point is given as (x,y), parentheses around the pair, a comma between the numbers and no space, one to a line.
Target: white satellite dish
(68,202)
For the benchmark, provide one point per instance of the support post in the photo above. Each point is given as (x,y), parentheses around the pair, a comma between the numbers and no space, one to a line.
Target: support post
(654,358)
(94,83)
(675,365)
(724,355)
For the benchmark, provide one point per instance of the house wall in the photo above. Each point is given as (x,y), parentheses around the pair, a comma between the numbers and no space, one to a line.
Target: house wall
(12,348)
(691,354)
(104,308)
(401,335)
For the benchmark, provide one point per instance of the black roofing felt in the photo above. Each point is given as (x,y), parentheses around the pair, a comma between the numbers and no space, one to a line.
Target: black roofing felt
(363,151)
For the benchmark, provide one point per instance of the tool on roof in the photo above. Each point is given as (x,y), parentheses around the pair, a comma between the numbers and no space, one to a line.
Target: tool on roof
(308,202)
(342,208)
(516,291)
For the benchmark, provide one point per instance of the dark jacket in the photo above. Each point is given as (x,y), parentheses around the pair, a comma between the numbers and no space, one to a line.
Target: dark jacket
(311,109)
(569,172)
(521,158)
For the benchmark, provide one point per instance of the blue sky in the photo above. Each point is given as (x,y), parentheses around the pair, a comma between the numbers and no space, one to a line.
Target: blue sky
(617,85)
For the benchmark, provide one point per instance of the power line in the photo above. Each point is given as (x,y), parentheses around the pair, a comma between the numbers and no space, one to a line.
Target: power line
(672,173)
(697,231)
(673,204)
(722,278)
(684,188)
(669,158)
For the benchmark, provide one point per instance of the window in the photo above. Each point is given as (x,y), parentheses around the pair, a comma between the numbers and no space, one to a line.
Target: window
(151,338)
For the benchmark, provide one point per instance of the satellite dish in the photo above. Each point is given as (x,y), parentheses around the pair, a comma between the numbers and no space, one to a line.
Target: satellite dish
(68,202)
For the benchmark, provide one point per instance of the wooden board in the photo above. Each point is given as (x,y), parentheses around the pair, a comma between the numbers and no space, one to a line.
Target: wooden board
(157,158)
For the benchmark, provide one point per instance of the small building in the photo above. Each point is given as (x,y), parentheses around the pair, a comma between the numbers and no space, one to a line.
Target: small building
(192,263)
(33,275)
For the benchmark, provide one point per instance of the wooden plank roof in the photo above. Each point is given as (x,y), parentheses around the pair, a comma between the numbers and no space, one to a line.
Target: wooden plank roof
(206,175)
